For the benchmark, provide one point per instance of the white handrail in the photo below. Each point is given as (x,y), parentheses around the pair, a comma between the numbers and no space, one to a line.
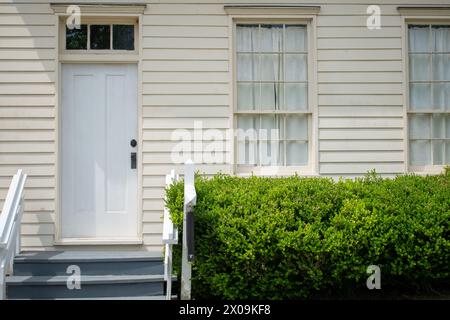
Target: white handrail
(170,237)
(10,220)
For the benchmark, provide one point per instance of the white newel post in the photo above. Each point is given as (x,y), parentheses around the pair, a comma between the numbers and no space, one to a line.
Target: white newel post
(170,237)
(190,198)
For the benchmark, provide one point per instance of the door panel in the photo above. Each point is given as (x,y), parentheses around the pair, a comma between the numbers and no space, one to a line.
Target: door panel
(98,120)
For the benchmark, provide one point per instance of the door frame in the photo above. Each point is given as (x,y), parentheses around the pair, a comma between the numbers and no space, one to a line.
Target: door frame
(107,58)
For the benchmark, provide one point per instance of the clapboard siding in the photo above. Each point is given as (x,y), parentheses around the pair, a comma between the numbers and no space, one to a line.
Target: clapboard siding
(27,114)
(186,65)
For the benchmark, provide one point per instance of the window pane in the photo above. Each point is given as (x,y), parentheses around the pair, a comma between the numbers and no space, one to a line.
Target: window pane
(100,37)
(438,152)
(420,153)
(247,67)
(271,96)
(248,96)
(247,139)
(271,37)
(271,67)
(420,96)
(419,67)
(419,39)
(296,38)
(438,126)
(296,96)
(441,96)
(419,127)
(271,153)
(123,37)
(271,149)
(247,38)
(297,127)
(271,127)
(247,122)
(441,38)
(447,126)
(296,67)
(76,39)
(296,153)
(447,152)
(441,67)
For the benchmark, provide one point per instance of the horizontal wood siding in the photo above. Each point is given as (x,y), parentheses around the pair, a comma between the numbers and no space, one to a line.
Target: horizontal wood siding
(27,114)
(360,92)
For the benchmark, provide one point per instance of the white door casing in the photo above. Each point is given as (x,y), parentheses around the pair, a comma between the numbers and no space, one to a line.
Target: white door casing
(98,121)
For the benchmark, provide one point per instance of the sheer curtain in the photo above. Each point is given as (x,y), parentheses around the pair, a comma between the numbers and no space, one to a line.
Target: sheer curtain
(248,92)
(272,76)
(429,67)
(271,36)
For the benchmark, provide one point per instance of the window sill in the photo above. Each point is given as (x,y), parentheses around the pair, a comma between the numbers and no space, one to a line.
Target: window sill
(426,170)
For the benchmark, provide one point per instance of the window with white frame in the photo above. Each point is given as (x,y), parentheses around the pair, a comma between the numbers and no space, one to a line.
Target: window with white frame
(272,112)
(100,36)
(429,95)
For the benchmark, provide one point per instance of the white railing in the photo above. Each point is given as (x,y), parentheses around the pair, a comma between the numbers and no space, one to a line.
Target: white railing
(170,233)
(187,255)
(170,237)
(10,228)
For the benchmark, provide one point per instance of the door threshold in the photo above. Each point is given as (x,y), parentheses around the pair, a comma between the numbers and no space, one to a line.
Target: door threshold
(90,241)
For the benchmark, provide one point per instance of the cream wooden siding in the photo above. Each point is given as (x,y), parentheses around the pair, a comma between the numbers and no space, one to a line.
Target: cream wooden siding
(186,77)
(27,114)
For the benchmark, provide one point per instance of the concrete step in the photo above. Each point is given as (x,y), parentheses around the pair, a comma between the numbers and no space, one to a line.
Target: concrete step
(55,263)
(110,286)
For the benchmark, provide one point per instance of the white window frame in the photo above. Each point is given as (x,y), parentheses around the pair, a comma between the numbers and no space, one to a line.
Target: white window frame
(311,169)
(411,17)
(100,54)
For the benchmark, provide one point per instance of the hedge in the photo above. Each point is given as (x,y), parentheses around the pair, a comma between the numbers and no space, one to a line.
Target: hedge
(292,237)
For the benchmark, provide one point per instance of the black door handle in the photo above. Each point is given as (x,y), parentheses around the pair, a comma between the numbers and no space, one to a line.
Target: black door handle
(133,160)
(133,143)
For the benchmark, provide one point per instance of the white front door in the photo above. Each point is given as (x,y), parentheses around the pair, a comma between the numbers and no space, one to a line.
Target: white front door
(98,174)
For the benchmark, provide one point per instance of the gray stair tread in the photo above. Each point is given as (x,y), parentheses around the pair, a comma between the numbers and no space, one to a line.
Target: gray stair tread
(62,280)
(88,256)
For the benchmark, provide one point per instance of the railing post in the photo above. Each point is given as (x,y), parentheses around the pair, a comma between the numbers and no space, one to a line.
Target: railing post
(19,237)
(170,237)
(187,256)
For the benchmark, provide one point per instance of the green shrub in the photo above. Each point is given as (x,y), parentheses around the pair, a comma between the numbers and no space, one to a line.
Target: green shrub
(282,238)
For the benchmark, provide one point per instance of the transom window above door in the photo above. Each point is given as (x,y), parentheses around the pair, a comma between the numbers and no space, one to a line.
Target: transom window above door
(272,106)
(101,37)
(429,96)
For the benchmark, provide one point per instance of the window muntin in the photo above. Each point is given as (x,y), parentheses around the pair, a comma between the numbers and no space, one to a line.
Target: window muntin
(272,109)
(101,37)
(429,95)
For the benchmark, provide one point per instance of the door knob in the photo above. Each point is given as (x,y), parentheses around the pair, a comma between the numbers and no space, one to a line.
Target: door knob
(133,143)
